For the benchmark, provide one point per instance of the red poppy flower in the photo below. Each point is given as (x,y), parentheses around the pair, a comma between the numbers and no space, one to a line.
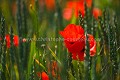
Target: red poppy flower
(74,40)
(89,3)
(73,6)
(97,12)
(44,76)
(79,6)
(16,40)
(7,38)
(76,6)
(50,4)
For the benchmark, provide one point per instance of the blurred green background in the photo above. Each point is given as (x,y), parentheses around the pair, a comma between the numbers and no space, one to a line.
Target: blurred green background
(34,20)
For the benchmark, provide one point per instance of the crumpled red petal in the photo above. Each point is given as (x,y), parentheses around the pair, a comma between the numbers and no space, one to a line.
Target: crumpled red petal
(72,32)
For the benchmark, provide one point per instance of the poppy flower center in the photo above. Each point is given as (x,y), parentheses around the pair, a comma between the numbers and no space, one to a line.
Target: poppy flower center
(72,42)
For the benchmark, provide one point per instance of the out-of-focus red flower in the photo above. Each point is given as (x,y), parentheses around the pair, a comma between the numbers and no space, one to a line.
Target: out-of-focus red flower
(97,12)
(67,13)
(0,38)
(75,6)
(32,2)
(89,3)
(59,78)
(74,40)
(78,5)
(7,38)
(53,73)
(54,68)
(38,74)
(72,3)
(54,65)
(50,4)
(16,40)
(44,76)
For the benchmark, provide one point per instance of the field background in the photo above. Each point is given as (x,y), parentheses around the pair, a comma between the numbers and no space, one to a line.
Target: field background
(37,23)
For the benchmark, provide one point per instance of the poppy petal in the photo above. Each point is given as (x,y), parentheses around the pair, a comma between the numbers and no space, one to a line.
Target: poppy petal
(92,43)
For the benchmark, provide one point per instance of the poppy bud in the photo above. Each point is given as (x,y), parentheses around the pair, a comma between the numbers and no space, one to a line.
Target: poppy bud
(7,38)
(44,76)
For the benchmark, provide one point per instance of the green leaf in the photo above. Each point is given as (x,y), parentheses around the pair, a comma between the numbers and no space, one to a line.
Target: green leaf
(40,64)
(71,77)
(31,55)
(54,55)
